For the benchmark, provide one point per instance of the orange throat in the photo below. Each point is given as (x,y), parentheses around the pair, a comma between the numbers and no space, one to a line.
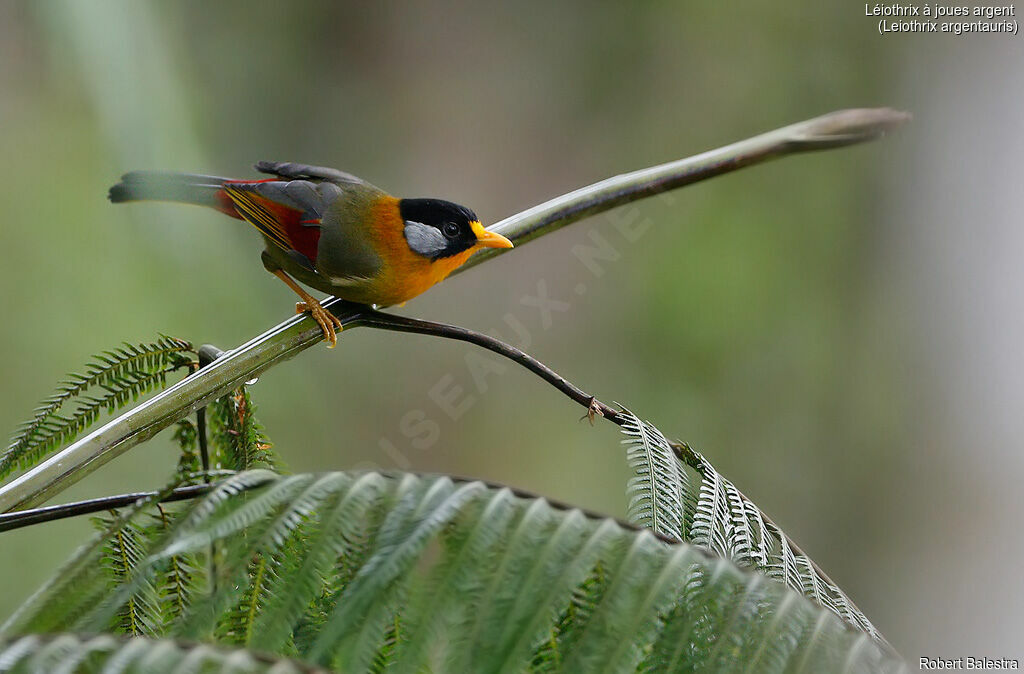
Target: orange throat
(406,274)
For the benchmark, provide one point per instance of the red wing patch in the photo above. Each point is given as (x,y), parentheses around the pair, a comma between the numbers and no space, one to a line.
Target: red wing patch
(284,225)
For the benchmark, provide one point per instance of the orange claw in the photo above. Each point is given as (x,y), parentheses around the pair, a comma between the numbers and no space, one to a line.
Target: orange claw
(328,322)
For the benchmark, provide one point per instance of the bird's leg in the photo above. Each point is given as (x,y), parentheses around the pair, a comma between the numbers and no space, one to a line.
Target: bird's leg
(328,322)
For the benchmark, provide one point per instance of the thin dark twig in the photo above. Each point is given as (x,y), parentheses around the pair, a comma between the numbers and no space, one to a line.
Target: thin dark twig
(204,449)
(207,354)
(24,518)
(204,457)
(382,321)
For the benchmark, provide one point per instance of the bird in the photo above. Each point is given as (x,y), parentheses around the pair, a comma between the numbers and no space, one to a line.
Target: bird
(331,231)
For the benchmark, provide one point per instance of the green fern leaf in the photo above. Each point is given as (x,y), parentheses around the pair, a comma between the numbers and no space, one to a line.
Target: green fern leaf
(368,572)
(657,493)
(236,437)
(723,520)
(36,653)
(123,375)
(140,615)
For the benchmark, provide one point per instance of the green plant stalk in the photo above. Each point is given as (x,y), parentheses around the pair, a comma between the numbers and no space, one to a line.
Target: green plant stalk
(283,341)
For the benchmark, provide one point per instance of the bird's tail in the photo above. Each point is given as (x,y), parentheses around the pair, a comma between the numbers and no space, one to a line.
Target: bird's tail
(189,188)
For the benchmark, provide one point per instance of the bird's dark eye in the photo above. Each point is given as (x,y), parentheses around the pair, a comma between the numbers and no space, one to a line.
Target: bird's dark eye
(450,229)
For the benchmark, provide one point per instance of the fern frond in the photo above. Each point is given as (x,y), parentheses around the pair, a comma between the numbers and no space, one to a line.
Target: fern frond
(656,493)
(183,578)
(367,572)
(712,526)
(357,524)
(386,656)
(237,440)
(572,624)
(140,615)
(82,582)
(35,653)
(123,374)
(158,598)
(235,626)
(252,579)
(727,523)
(186,436)
(368,600)
(308,580)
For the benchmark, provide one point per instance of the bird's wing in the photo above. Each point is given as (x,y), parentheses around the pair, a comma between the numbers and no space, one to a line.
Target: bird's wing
(288,212)
(306,172)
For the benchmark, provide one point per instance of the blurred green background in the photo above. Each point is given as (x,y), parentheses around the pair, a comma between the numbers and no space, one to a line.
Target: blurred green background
(837,332)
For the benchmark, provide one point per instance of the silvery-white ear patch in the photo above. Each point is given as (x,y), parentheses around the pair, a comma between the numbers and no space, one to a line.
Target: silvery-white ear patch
(426,240)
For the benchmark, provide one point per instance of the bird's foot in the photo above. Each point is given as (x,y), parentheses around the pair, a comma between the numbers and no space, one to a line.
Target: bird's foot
(328,322)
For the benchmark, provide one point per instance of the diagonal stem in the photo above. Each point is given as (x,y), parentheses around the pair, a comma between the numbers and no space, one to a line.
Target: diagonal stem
(376,319)
(836,129)
(24,518)
(300,332)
